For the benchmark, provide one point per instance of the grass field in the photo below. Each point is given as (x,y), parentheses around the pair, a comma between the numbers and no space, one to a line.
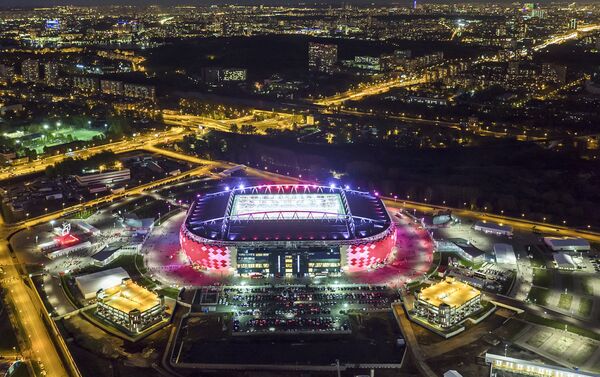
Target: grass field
(539,295)
(585,306)
(566,280)
(542,278)
(8,340)
(586,285)
(565,301)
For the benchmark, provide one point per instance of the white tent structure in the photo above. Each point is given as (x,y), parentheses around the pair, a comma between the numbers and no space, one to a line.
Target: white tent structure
(90,284)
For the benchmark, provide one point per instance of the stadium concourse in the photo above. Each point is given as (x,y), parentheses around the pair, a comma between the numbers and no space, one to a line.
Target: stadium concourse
(291,232)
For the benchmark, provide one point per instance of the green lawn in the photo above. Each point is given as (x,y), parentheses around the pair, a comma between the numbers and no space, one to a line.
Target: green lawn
(20,371)
(539,295)
(169,292)
(586,284)
(566,280)
(8,340)
(565,301)
(542,278)
(538,259)
(585,306)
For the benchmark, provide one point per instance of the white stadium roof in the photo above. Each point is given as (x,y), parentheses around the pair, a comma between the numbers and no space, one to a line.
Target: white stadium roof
(91,283)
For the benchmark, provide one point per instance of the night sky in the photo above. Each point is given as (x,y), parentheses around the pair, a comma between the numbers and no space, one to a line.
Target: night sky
(39,3)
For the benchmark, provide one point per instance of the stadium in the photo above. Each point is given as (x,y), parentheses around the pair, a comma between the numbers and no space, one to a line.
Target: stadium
(287,231)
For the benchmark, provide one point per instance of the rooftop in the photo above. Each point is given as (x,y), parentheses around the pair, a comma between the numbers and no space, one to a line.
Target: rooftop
(92,283)
(451,292)
(129,296)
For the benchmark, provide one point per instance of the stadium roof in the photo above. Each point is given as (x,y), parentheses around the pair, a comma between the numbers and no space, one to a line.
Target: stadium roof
(287,212)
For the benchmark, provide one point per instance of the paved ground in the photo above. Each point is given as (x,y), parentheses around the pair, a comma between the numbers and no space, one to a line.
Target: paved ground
(562,347)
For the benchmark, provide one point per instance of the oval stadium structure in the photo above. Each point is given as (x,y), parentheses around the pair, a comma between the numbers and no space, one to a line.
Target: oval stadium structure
(287,230)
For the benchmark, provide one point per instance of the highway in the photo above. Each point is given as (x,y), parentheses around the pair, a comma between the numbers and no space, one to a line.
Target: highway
(566,37)
(516,223)
(121,146)
(272,120)
(369,90)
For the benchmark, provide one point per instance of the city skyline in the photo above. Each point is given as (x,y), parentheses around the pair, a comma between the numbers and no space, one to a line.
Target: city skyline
(300,190)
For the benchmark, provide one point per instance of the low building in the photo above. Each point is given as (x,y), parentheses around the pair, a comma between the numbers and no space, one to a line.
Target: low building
(461,248)
(493,228)
(519,367)
(139,226)
(447,303)
(564,261)
(90,284)
(504,254)
(567,243)
(106,177)
(130,306)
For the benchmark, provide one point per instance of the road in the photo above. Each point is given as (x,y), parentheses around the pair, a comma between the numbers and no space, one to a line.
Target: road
(566,37)
(516,223)
(29,311)
(369,90)
(279,121)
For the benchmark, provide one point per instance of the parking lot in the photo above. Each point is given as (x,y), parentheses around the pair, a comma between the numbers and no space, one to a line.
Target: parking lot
(292,309)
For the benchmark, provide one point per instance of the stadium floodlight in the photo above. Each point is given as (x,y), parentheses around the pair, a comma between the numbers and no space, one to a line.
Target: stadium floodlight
(332,185)
(241,187)
(347,187)
(227,188)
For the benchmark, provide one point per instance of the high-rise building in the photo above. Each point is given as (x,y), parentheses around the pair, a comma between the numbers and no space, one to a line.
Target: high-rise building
(139,91)
(30,69)
(234,74)
(112,87)
(322,57)
(51,73)
(573,24)
(86,83)
(7,72)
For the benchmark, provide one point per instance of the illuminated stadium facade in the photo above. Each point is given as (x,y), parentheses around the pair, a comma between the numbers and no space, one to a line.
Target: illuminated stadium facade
(287,230)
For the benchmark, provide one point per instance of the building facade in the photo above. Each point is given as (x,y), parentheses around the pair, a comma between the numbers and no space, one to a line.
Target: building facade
(447,303)
(130,306)
(322,57)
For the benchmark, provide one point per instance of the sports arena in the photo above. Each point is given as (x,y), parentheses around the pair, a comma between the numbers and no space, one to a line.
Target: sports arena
(287,231)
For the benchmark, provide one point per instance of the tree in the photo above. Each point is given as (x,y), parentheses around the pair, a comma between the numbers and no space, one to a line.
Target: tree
(234,128)
(248,129)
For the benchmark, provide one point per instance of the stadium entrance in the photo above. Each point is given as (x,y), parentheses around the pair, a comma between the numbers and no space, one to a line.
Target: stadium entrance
(282,262)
